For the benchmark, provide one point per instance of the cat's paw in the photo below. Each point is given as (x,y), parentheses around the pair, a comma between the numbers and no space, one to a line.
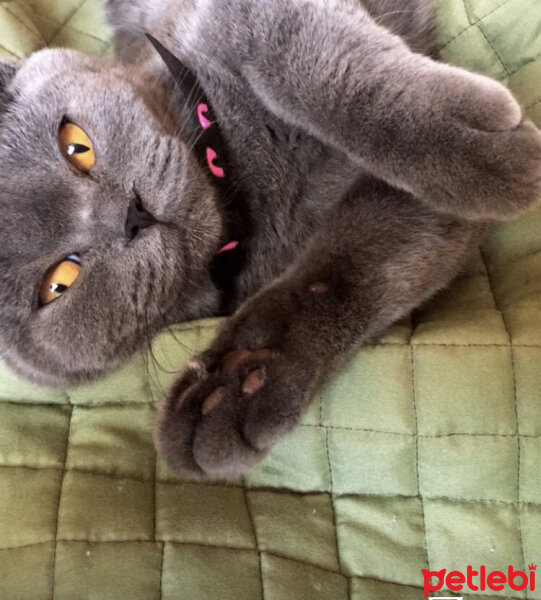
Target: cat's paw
(228,409)
(504,174)
(481,103)
(488,157)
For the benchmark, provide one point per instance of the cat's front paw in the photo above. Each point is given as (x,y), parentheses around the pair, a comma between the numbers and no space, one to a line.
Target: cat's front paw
(505,173)
(480,102)
(228,409)
(488,157)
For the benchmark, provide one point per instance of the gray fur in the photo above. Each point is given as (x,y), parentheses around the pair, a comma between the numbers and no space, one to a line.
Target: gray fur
(7,72)
(371,171)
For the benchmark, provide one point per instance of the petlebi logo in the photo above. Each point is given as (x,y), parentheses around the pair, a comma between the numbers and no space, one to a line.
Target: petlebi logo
(478,579)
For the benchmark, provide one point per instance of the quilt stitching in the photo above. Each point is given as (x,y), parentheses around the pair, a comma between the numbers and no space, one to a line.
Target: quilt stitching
(217,546)
(90,35)
(16,17)
(520,257)
(333,509)
(422,435)
(65,22)
(468,16)
(416,435)
(472,24)
(61,484)
(321,568)
(521,67)
(516,506)
(10,52)
(504,66)
(515,395)
(257,545)
(162,561)
(274,554)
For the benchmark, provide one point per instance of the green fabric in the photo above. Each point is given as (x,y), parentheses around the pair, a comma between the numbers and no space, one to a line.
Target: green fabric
(423,453)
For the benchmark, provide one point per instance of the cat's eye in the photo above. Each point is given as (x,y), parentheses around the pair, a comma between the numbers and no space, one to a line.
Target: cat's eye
(59,279)
(76,146)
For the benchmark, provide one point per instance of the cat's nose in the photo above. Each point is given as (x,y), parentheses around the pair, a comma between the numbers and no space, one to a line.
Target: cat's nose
(137,218)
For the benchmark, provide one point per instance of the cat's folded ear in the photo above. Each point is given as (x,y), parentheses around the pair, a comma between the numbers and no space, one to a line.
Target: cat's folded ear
(7,73)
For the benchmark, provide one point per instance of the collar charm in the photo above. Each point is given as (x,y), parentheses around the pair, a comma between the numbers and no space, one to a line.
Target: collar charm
(202,110)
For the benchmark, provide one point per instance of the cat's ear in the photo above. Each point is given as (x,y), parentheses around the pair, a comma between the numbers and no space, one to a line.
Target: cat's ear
(7,73)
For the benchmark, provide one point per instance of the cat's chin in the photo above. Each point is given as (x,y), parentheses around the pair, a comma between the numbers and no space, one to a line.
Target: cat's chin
(31,373)
(203,302)
(200,299)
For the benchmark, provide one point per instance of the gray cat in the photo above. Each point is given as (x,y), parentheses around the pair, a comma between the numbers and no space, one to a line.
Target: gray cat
(305,163)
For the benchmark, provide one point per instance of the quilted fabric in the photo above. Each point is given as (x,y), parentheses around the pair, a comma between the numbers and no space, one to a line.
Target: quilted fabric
(424,453)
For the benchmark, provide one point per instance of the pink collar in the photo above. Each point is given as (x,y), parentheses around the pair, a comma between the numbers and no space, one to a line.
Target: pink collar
(202,111)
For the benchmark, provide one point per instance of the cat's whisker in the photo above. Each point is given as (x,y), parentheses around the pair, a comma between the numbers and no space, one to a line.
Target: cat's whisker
(189,116)
(150,352)
(173,334)
(193,143)
(148,356)
(380,18)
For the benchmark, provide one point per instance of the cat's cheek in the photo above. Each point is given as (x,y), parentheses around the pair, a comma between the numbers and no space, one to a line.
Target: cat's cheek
(28,371)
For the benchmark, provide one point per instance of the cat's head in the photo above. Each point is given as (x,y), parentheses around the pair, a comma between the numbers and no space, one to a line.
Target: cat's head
(134,206)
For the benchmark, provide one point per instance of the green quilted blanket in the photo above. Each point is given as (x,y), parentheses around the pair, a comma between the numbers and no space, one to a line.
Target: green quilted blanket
(423,454)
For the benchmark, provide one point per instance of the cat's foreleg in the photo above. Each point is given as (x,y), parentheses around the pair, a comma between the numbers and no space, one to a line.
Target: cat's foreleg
(379,256)
(454,139)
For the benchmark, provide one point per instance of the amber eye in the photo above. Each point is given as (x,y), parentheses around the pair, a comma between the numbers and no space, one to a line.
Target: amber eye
(59,278)
(76,147)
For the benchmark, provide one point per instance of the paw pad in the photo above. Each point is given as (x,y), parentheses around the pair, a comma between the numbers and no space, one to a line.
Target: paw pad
(234,359)
(253,382)
(212,401)
(318,288)
(183,396)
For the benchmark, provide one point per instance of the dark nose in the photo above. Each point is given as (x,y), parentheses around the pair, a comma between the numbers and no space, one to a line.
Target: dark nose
(137,219)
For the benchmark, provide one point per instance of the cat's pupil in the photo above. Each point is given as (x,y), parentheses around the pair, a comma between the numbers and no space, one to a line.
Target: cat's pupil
(77,149)
(58,288)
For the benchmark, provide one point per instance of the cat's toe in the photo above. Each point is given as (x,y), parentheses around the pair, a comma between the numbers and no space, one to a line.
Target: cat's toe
(511,171)
(214,399)
(176,423)
(277,406)
(486,157)
(487,105)
(220,448)
(472,100)
(253,382)
(492,175)
(502,150)
(200,427)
